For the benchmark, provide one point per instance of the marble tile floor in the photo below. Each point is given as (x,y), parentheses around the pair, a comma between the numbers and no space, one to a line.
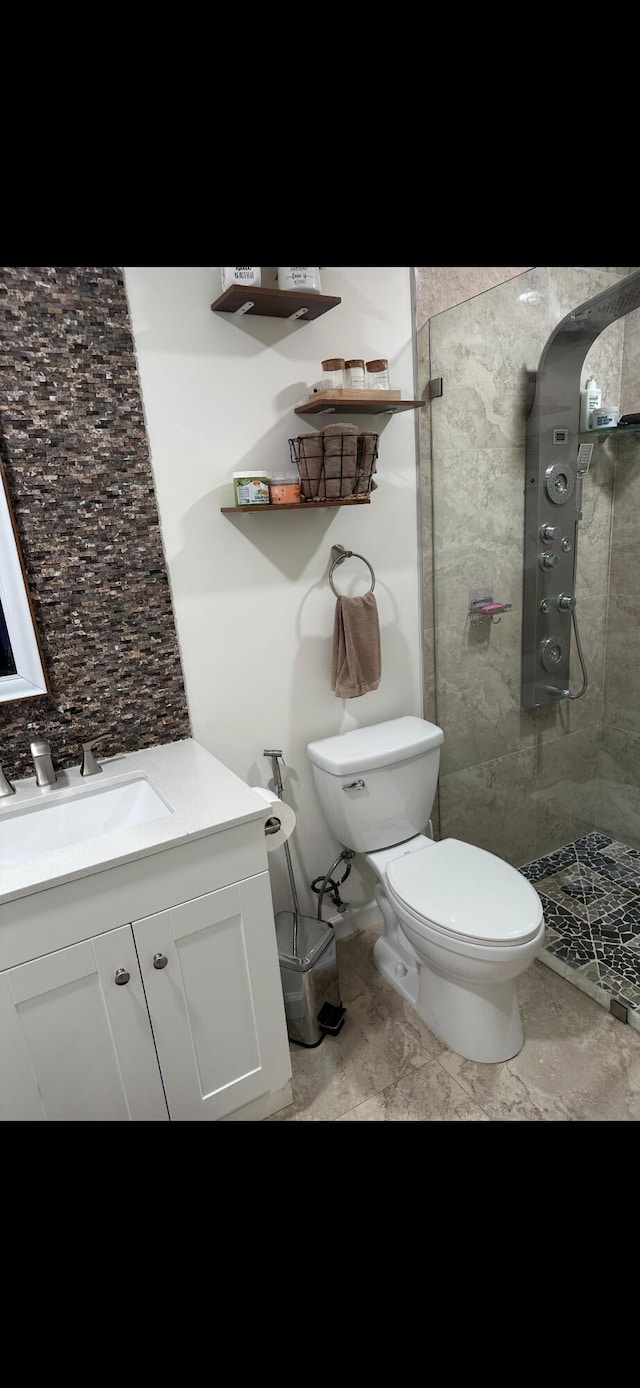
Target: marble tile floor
(578,1062)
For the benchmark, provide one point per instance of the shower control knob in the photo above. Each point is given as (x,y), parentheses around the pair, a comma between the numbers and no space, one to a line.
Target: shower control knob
(548,560)
(566,546)
(565,601)
(548,532)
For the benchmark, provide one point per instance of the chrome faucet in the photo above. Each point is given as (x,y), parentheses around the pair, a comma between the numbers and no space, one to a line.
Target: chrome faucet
(41,756)
(90,766)
(6,787)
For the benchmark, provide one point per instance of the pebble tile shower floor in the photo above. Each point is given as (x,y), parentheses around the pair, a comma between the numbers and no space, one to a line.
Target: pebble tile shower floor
(590,892)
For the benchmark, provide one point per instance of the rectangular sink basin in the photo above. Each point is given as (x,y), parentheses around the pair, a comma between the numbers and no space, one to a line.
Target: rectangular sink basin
(55,824)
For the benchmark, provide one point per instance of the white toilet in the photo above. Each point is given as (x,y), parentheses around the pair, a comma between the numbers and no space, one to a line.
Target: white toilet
(460,924)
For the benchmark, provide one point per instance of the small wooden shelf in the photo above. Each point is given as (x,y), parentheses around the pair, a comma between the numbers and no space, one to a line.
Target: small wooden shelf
(297,506)
(274,303)
(381,404)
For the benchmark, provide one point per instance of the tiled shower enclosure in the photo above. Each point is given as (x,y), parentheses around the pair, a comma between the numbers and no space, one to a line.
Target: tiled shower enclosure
(555,791)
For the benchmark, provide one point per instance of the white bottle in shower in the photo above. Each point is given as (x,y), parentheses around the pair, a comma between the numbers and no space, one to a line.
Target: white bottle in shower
(590,399)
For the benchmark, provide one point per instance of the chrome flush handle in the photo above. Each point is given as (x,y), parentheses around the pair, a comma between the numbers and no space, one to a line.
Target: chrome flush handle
(355,785)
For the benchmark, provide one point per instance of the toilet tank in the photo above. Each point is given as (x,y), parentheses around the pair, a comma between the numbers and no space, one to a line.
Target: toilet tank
(377,785)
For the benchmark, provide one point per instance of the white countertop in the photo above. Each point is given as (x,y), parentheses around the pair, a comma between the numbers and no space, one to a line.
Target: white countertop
(203,795)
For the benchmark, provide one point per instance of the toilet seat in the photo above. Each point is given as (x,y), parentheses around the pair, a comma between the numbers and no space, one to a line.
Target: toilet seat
(467,893)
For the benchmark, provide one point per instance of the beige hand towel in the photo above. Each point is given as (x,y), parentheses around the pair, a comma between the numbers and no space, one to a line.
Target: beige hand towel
(356,662)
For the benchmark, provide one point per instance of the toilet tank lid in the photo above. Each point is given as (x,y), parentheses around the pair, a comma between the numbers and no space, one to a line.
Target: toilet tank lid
(363,749)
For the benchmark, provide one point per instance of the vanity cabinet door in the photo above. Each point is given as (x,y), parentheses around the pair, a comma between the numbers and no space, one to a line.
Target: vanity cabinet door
(74,1043)
(212,979)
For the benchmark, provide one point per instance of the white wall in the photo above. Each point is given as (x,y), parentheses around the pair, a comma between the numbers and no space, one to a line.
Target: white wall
(254,610)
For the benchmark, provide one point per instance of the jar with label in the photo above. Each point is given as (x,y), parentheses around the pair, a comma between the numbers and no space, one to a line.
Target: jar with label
(284,491)
(377,376)
(306,277)
(605,417)
(241,274)
(333,373)
(251,488)
(354,377)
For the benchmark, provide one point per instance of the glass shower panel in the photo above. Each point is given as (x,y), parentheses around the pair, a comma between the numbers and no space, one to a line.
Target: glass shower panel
(619,762)
(522,782)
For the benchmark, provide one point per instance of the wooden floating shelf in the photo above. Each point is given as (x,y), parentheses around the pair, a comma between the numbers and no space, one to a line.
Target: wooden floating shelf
(274,303)
(362,402)
(334,394)
(297,506)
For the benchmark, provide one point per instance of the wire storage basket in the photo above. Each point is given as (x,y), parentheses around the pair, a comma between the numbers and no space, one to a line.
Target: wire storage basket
(336,463)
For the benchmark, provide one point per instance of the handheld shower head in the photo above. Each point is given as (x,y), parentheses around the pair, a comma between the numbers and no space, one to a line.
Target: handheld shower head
(276,781)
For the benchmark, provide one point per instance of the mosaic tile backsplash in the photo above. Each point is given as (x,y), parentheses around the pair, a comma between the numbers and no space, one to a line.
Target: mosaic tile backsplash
(590,891)
(76,459)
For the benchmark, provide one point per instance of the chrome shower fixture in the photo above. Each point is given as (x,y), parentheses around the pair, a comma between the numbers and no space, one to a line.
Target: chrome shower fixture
(557,461)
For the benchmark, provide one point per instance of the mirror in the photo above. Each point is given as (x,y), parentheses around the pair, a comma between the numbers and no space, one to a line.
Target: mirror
(22,673)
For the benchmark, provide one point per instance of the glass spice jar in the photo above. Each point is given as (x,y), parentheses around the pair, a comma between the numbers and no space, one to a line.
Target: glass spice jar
(354,374)
(333,373)
(284,491)
(378,374)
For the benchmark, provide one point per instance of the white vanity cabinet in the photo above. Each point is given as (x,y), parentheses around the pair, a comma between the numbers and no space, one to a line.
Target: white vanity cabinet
(80,1028)
(75,1044)
(215,999)
(146,987)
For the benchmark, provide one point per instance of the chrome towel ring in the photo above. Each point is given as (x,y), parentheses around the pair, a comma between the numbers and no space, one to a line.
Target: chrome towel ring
(339,554)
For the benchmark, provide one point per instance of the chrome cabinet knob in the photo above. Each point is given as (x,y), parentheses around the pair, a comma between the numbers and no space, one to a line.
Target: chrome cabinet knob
(160,961)
(122,977)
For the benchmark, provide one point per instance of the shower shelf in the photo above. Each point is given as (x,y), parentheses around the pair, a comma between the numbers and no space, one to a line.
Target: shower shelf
(486,607)
(594,434)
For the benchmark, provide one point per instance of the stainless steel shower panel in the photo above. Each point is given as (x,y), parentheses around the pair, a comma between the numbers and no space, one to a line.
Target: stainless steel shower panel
(553,492)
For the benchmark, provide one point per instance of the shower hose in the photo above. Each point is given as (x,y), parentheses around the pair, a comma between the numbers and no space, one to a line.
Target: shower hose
(585,679)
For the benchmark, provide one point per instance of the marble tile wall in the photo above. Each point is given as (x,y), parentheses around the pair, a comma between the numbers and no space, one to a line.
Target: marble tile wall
(75,453)
(516,782)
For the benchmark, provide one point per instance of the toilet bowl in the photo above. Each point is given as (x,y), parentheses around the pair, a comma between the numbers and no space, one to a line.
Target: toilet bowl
(460,924)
